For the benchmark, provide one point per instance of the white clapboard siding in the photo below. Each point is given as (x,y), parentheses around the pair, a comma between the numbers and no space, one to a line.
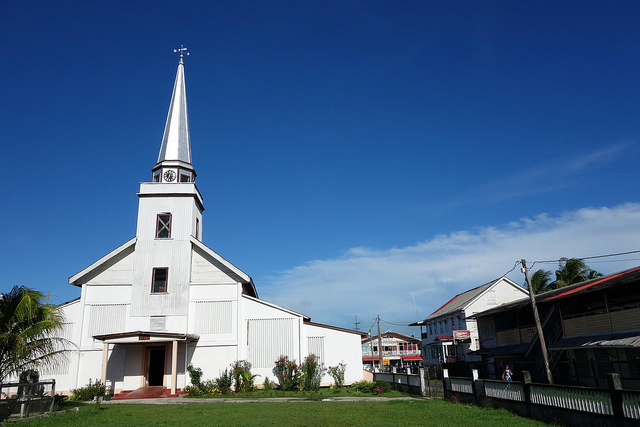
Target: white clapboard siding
(206,270)
(315,345)
(268,339)
(107,319)
(214,317)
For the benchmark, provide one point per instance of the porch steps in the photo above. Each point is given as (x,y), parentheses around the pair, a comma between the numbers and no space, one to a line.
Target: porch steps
(146,393)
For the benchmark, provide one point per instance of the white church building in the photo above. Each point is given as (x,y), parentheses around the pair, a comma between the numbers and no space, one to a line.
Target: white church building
(164,299)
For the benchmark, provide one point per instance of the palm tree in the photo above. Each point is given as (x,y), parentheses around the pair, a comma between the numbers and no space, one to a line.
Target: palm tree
(573,270)
(541,281)
(29,332)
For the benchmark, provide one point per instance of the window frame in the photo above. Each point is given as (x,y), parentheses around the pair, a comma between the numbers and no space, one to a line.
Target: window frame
(166,280)
(158,229)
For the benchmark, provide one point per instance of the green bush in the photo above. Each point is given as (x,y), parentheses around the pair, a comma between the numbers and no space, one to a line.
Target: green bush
(195,374)
(89,392)
(312,372)
(369,386)
(267,385)
(224,381)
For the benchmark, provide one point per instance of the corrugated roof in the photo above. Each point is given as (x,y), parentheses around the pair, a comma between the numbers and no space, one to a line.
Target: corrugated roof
(614,340)
(621,278)
(460,301)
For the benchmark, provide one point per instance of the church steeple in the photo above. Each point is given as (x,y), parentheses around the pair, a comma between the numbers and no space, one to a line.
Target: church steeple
(174,159)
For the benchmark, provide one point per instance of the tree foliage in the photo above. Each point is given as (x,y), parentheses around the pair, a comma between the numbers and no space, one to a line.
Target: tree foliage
(29,332)
(573,270)
(541,281)
(570,271)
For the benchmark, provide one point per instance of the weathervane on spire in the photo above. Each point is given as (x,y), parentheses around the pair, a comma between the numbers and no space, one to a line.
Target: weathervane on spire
(182,51)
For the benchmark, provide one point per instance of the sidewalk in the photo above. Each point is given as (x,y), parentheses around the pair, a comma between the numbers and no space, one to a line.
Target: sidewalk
(191,400)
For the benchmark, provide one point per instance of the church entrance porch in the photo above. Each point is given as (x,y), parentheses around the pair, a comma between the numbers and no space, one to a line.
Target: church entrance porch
(151,359)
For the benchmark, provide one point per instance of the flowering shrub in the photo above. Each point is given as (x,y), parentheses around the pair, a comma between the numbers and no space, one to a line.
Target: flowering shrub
(379,390)
(203,389)
(312,372)
(286,371)
(337,373)
(242,377)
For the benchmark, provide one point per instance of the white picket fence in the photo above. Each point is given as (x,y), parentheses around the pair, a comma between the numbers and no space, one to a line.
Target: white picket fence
(502,390)
(576,398)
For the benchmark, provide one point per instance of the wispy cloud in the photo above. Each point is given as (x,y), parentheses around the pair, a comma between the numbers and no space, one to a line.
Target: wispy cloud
(541,178)
(367,282)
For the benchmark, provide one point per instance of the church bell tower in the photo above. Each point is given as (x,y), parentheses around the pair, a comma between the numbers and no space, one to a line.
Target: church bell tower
(169,218)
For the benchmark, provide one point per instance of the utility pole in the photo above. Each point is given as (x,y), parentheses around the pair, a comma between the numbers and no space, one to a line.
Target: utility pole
(380,357)
(50,296)
(357,323)
(538,325)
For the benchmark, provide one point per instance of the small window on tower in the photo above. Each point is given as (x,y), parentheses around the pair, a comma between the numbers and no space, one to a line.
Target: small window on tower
(184,178)
(159,280)
(156,177)
(163,226)
(198,229)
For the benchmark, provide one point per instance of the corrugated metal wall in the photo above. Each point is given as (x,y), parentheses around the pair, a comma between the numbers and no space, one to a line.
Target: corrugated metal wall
(268,339)
(315,345)
(213,317)
(107,319)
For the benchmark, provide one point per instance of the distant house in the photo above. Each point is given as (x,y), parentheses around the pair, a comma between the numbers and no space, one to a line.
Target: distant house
(591,329)
(449,335)
(399,352)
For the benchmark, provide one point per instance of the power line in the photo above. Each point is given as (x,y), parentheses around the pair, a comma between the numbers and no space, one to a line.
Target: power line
(586,257)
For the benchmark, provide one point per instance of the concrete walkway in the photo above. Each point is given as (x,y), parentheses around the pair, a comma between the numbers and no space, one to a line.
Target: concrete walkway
(191,400)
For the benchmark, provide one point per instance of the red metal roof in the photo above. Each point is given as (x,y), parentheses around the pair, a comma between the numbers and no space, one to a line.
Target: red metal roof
(591,284)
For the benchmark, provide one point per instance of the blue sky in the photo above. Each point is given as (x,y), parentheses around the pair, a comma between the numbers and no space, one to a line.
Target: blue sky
(353,155)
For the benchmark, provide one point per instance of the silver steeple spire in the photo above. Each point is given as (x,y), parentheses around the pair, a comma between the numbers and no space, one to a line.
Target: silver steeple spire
(175,151)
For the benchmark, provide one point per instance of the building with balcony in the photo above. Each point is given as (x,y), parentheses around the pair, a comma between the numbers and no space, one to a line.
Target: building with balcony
(449,334)
(591,328)
(399,352)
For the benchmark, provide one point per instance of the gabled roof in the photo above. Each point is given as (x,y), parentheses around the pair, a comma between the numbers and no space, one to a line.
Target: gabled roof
(272,305)
(101,262)
(225,265)
(465,299)
(335,328)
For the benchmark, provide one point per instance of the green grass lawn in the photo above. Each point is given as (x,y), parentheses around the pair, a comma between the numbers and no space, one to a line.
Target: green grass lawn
(300,413)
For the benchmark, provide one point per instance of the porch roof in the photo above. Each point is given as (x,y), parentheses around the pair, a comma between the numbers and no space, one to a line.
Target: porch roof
(145,337)
(615,340)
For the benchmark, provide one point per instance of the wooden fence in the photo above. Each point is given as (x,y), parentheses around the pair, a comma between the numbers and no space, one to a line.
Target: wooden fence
(570,405)
(24,399)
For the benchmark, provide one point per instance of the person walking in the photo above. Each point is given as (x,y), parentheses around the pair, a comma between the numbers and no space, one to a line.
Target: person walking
(507,375)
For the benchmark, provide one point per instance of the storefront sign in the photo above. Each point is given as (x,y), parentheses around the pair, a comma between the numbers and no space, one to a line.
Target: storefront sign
(462,335)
